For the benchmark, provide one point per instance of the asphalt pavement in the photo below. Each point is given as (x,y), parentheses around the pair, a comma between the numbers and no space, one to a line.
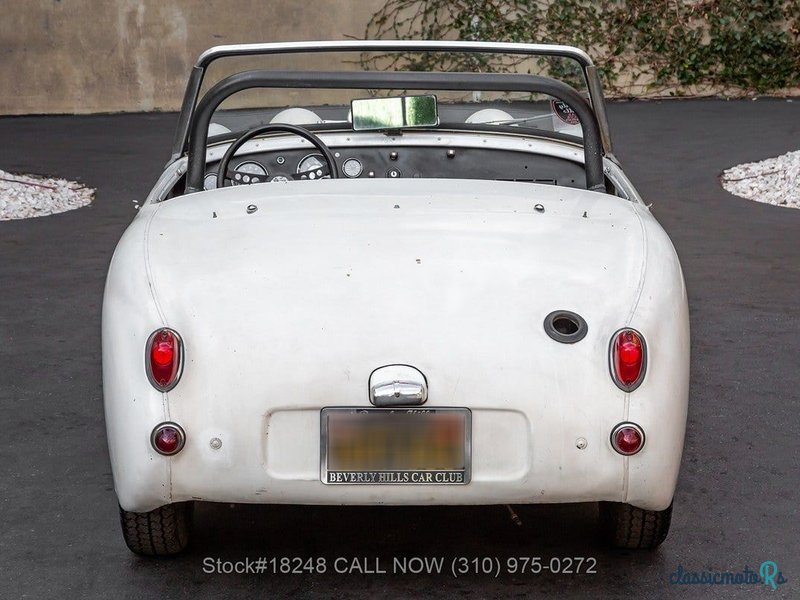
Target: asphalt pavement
(737,498)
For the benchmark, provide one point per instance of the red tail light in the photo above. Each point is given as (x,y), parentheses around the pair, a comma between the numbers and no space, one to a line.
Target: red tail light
(628,359)
(627,438)
(164,359)
(168,438)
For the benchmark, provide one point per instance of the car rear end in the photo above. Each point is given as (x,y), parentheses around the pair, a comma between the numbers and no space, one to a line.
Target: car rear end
(553,350)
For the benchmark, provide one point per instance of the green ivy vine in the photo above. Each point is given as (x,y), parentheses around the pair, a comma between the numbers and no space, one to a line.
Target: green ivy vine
(641,47)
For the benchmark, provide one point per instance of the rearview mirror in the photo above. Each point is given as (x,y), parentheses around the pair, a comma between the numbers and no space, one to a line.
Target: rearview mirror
(394,113)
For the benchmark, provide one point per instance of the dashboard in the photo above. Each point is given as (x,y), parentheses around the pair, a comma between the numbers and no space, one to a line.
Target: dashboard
(406,161)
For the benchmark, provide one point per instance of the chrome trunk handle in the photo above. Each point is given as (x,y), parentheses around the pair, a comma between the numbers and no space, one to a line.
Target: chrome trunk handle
(399,393)
(397,385)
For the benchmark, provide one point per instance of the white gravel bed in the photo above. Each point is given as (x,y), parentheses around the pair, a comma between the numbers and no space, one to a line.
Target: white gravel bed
(26,196)
(773,181)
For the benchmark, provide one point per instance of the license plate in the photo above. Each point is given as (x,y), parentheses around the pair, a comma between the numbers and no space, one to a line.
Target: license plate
(396,446)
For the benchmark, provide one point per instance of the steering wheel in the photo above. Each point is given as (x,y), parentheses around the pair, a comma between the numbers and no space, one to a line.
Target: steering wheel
(224,173)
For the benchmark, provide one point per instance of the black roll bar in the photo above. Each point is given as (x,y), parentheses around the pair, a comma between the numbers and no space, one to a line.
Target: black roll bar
(398,80)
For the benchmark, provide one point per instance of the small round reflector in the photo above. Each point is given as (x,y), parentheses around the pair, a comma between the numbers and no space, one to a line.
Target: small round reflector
(627,438)
(168,438)
(164,360)
(628,359)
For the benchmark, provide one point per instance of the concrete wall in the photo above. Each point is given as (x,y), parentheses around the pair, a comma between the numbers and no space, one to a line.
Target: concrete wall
(84,56)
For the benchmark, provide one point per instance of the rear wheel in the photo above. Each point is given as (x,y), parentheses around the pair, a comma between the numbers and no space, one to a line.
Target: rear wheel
(625,526)
(160,532)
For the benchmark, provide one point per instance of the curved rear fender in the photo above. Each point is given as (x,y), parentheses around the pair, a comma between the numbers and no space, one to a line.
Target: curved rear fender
(660,404)
(132,406)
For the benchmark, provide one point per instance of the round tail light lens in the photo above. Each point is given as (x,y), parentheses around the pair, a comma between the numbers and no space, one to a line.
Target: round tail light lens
(168,438)
(628,357)
(627,438)
(164,359)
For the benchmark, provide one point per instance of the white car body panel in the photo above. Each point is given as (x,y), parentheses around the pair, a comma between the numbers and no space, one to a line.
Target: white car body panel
(289,309)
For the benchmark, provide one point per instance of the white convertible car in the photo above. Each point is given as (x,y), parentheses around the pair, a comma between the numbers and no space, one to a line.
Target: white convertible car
(394,287)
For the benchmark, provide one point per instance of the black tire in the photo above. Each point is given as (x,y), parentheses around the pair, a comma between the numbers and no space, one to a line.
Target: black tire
(160,532)
(625,526)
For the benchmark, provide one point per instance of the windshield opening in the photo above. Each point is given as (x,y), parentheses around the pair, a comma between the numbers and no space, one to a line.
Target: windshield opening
(314,106)
(511,112)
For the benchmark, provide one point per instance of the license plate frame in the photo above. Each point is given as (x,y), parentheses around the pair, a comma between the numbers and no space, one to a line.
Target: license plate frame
(418,476)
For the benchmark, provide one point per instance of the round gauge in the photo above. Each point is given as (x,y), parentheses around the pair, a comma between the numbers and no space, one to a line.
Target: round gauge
(312,161)
(251,172)
(210,181)
(352,167)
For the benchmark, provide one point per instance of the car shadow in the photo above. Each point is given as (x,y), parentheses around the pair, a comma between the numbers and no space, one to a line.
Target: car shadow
(363,547)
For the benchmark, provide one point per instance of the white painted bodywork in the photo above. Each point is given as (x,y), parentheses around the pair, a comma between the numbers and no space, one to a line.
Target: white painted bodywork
(289,309)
